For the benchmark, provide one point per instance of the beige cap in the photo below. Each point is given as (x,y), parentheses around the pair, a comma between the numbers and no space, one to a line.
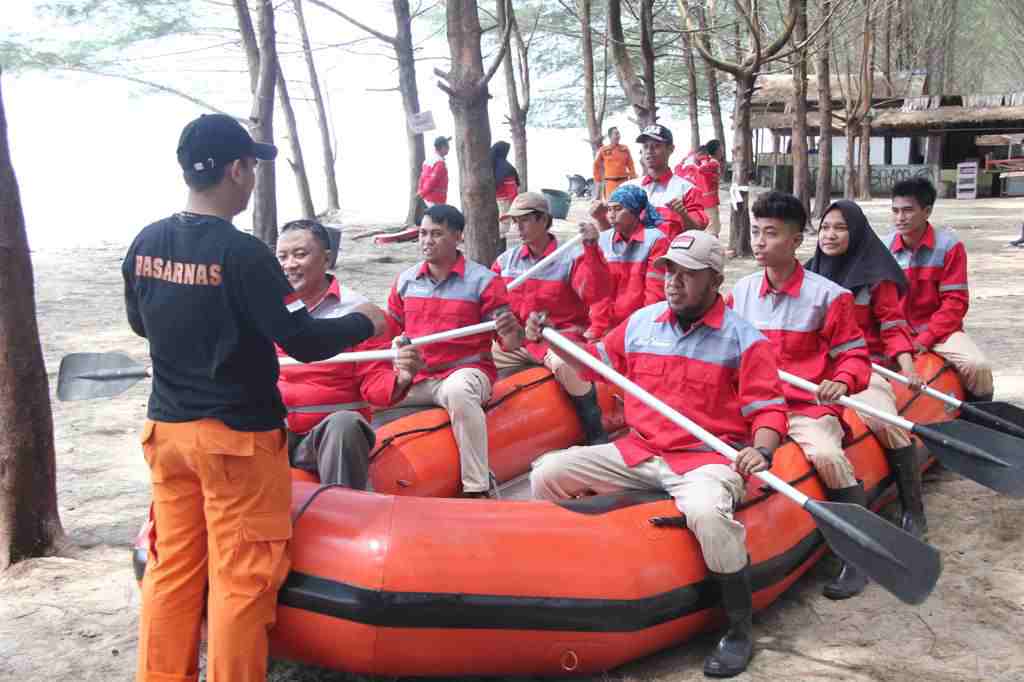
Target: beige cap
(526,203)
(696,250)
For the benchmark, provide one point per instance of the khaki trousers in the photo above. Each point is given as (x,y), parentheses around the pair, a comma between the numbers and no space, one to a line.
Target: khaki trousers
(706,495)
(463,393)
(879,394)
(566,376)
(714,221)
(970,363)
(221,506)
(822,442)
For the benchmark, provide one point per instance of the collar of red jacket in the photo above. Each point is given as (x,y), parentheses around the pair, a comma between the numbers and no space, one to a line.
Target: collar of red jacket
(660,180)
(524,251)
(928,239)
(637,236)
(459,268)
(791,287)
(712,318)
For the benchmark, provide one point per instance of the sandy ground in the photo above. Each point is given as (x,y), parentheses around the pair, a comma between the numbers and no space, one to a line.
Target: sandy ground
(74,616)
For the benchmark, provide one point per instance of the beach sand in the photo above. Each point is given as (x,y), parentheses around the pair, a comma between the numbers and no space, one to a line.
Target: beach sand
(74,616)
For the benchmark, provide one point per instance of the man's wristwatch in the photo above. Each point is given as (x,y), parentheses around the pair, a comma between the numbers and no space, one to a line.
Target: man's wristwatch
(766,453)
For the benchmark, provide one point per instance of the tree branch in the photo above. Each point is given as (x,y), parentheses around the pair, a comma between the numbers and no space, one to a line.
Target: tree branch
(391,40)
(493,68)
(244,120)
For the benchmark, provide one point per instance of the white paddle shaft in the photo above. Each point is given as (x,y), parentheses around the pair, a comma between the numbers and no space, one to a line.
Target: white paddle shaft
(857,405)
(927,390)
(480,328)
(667,412)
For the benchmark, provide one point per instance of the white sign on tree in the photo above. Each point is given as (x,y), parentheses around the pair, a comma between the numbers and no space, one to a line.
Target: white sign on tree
(421,122)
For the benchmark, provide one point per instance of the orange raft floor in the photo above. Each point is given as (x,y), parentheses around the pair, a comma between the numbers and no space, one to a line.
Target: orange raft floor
(413,585)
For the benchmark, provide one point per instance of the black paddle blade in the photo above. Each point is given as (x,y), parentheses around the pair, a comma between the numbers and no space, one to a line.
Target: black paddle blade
(893,558)
(84,376)
(991,458)
(1000,416)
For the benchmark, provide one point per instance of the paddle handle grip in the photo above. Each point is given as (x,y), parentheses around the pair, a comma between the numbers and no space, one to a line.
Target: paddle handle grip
(927,390)
(857,405)
(385,355)
(709,439)
(544,261)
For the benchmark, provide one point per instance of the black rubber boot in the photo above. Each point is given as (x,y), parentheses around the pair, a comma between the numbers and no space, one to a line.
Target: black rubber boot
(590,417)
(850,582)
(907,472)
(734,650)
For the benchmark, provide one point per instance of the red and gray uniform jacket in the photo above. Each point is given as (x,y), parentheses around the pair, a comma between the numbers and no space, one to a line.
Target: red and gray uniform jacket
(812,324)
(470,294)
(565,289)
(313,392)
(669,187)
(879,312)
(433,185)
(633,279)
(720,373)
(938,298)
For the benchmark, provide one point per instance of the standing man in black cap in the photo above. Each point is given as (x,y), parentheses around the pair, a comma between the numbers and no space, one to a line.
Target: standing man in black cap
(212,301)
(433,187)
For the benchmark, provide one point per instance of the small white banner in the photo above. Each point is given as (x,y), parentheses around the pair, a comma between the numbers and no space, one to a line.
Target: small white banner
(421,122)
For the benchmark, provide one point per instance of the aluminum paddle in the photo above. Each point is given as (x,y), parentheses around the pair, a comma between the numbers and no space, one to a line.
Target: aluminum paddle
(991,458)
(998,415)
(893,558)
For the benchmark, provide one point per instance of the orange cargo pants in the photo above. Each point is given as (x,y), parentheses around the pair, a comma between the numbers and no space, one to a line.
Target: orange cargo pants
(221,505)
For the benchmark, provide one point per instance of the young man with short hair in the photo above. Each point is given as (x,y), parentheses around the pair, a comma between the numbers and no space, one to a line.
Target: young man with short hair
(433,185)
(442,292)
(565,289)
(212,301)
(613,165)
(679,202)
(705,361)
(935,263)
(812,323)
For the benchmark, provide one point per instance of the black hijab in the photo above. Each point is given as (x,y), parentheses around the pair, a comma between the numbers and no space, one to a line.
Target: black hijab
(867,261)
(502,168)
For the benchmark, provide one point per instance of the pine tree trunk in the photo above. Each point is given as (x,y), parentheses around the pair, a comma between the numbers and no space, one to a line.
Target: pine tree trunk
(742,166)
(633,86)
(867,77)
(850,176)
(29,520)
(468,98)
(516,113)
(264,213)
(691,94)
(801,170)
(823,193)
(410,103)
(711,77)
(647,50)
(297,162)
(327,149)
(587,50)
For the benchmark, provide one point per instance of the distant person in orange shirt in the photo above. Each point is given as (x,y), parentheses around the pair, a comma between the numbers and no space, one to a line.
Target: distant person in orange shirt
(613,165)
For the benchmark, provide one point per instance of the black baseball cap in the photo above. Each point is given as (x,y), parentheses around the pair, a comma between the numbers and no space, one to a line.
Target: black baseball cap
(658,133)
(215,140)
(440,141)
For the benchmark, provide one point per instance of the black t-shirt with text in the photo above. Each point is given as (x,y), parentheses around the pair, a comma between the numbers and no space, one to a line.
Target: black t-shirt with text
(212,300)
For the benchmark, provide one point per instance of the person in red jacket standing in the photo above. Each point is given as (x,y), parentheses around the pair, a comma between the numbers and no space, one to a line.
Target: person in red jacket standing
(329,405)
(812,324)
(433,187)
(564,289)
(442,292)
(631,243)
(705,361)
(935,262)
(679,202)
(709,163)
(850,254)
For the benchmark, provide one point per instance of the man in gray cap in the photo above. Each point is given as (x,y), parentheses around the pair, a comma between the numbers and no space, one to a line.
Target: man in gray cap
(702,359)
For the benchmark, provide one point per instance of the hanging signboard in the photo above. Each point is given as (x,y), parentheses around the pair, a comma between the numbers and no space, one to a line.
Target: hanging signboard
(421,122)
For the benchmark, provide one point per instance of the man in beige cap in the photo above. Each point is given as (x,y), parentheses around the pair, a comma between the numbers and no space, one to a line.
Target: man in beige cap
(564,290)
(705,361)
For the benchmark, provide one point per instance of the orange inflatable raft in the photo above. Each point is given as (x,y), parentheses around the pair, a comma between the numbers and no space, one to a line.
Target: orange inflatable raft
(401,585)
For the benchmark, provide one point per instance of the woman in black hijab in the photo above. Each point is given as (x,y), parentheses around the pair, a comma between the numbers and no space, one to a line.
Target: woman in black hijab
(850,254)
(506,182)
